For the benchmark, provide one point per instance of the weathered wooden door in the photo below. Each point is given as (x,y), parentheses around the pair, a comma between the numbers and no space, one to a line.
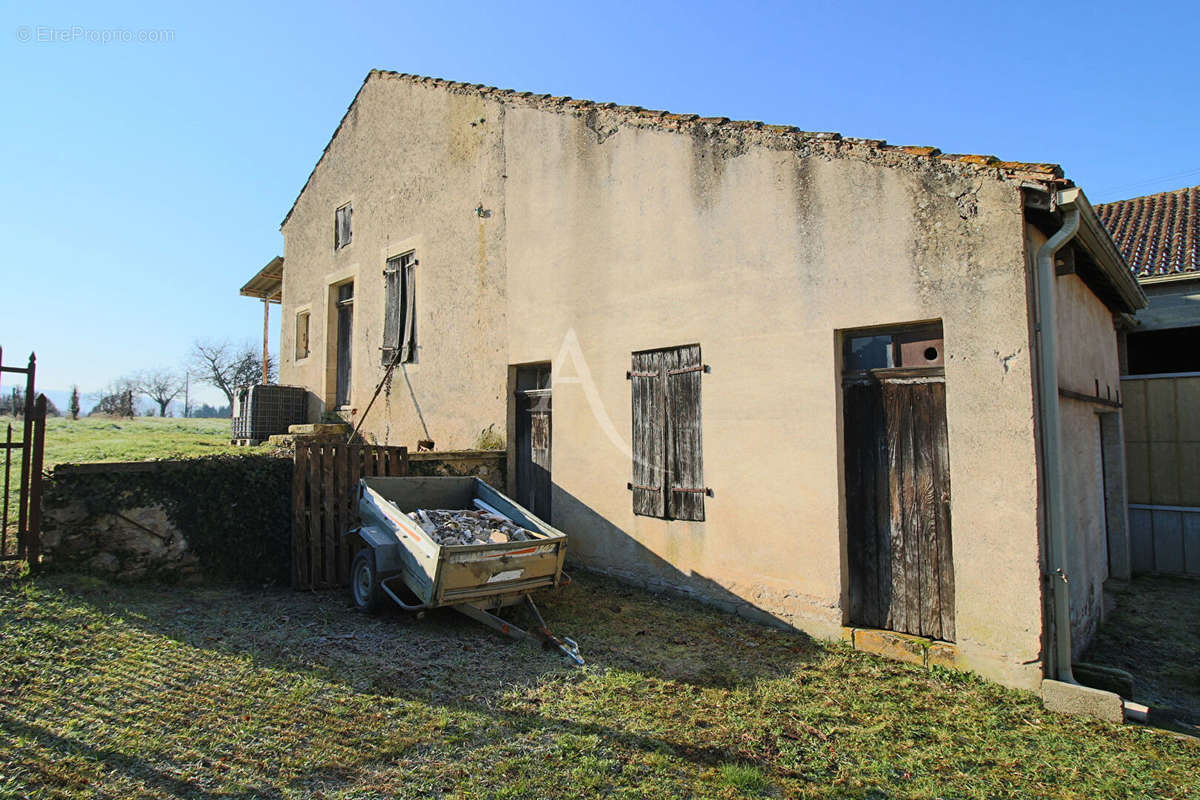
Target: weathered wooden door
(898,502)
(533,439)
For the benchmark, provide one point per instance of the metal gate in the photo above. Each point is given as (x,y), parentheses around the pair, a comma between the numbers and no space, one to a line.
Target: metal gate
(22,498)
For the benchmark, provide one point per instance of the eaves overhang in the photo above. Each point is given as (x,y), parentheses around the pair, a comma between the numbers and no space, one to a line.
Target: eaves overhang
(1095,239)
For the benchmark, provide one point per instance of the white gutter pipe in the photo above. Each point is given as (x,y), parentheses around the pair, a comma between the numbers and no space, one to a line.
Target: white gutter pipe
(1047,344)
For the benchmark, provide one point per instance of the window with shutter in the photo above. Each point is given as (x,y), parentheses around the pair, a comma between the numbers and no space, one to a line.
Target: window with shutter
(399,311)
(668,461)
(341,227)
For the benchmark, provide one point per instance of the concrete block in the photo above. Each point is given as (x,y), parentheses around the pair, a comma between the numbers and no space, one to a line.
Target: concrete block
(899,646)
(942,654)
(318,429)
(1137,712)
(1082,701)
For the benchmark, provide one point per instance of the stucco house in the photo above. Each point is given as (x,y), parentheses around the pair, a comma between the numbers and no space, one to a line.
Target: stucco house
(1159,235)
(853,388)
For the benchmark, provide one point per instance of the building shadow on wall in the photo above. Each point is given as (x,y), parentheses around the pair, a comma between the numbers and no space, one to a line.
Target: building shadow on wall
(597,545)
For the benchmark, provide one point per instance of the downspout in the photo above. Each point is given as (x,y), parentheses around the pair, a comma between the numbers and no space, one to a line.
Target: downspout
(1047,343)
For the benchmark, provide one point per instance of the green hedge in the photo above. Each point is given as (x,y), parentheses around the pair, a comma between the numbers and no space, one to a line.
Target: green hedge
(235,511)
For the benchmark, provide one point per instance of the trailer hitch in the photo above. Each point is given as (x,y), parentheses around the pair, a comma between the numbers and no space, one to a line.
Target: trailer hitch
(541,633)
(568,646)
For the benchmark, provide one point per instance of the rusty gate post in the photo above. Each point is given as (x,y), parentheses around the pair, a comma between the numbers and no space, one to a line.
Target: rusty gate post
(23,495)
(33,546)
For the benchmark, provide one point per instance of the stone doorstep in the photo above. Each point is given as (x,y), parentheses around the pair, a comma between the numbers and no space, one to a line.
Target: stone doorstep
(903,647)
(318,429)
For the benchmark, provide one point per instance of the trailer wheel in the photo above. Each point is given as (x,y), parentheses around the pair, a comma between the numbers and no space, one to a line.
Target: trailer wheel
(364,581)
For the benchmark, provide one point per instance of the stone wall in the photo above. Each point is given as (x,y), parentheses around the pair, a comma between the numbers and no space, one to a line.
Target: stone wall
(221,518)
(186,520)
(487,465)
(134,541)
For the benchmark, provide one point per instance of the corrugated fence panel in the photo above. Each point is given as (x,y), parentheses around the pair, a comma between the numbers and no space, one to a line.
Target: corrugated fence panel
(1162,463)
(1162,439)
(1191,544)
(1168,541)
(1165,539)
(1141,534)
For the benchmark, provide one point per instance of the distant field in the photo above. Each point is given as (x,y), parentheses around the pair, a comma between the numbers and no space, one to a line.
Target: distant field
(136,439)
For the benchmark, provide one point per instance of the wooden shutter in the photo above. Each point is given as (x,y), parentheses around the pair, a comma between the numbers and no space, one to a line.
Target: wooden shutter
(391,309)
(649,435)
(683,372)
(341,227)
(302,335)
(408,315)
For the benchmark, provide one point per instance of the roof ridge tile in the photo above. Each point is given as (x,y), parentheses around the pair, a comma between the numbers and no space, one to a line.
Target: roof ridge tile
(669,121)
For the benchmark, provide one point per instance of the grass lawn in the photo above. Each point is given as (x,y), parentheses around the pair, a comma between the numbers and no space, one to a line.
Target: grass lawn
(148,691)
(134,439)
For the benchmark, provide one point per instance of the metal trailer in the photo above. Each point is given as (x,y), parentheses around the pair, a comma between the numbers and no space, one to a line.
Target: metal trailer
(475,580)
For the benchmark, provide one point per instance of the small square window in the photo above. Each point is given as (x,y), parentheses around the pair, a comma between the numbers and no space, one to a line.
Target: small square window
(905,347)
(342,233)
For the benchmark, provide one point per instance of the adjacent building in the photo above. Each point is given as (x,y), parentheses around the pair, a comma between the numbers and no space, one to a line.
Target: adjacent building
(1159,236)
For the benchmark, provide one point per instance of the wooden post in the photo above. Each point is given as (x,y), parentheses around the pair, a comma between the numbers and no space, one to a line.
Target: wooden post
(266,335)
(300,553)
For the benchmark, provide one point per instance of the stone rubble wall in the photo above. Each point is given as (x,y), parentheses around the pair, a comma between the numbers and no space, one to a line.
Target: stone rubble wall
(104,519)
(133,542)
(487,465)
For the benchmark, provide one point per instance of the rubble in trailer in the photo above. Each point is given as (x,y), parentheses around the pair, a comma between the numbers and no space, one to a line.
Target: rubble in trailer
(450,528)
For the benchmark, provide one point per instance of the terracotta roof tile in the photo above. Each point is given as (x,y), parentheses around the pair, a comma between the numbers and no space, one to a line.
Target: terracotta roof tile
(1158,234)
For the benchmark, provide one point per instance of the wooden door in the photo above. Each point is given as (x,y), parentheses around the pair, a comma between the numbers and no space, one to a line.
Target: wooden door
(898,502)
(533,439)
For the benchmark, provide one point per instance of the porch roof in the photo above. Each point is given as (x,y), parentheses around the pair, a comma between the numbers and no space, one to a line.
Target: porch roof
(267,284)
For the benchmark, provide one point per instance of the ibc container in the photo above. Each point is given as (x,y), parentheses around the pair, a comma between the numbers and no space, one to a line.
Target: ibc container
(265,409)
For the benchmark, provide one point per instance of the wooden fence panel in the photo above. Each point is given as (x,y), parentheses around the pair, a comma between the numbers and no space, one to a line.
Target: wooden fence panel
(325,506)
(300,560)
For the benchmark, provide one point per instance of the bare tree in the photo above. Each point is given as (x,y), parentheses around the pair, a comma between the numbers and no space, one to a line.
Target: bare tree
(226,366)
(160,385)
(117,399)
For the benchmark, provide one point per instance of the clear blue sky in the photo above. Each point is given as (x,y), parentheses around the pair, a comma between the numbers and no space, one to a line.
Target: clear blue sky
(142,183)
